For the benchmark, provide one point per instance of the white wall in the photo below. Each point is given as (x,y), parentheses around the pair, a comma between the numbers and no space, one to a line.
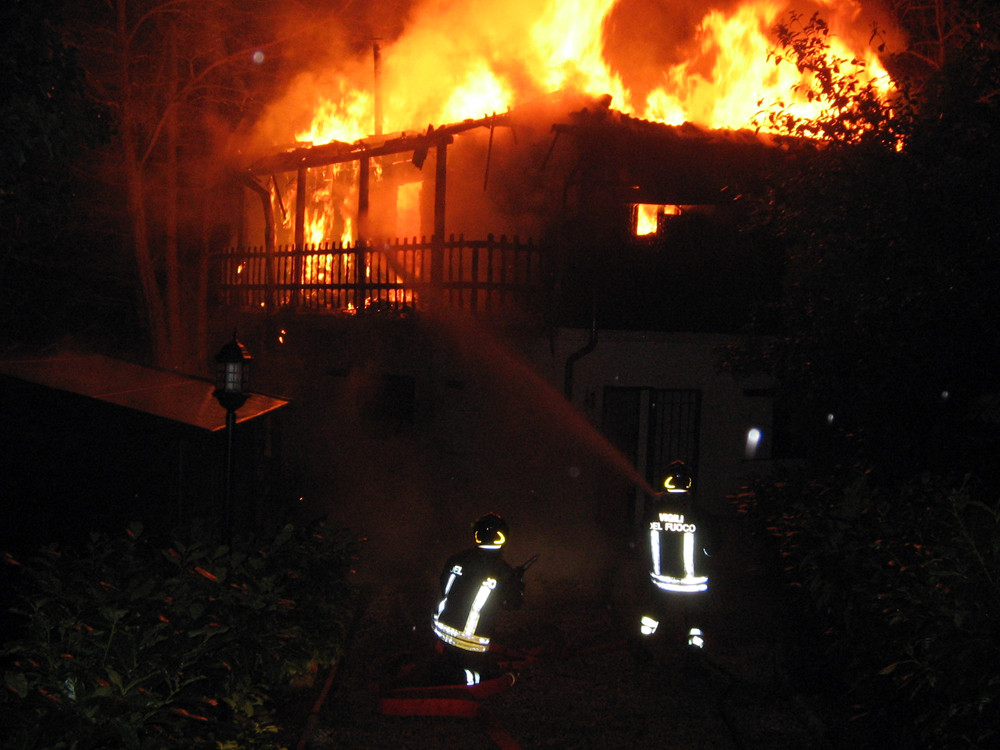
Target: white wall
(669,361)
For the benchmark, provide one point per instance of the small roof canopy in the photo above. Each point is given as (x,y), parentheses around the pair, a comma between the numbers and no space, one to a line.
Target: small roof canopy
(179,398)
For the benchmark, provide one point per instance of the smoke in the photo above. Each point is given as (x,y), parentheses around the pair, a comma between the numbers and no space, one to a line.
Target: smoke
(504,440)
(529,454)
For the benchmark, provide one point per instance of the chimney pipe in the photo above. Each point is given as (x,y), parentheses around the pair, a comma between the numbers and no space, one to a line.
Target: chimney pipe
(377,52)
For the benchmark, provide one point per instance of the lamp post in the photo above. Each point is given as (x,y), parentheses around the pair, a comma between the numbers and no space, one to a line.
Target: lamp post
(232,376)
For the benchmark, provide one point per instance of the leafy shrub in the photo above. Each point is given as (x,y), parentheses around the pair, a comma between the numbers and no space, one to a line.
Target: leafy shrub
(906,580)
(121,644)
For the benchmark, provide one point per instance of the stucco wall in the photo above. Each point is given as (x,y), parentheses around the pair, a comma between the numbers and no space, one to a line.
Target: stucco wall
(729,408)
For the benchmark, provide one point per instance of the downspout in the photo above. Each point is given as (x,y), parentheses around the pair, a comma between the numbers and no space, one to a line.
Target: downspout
(578,355)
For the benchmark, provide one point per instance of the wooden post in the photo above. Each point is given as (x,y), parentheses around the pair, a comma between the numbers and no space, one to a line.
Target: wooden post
(440,190)
(364,186)
(271,294)
(300,235)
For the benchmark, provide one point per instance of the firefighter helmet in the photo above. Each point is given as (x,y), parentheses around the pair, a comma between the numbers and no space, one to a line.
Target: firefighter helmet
(490,531)
(678,477)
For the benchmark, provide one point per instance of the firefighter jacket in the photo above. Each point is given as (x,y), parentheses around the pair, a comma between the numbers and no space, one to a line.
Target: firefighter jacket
(676,549)
(476,584)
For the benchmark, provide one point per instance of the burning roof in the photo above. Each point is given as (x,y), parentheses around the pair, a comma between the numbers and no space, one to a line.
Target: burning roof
(338,152)
(670,62)
(548,152)
(656,96)
(678,164)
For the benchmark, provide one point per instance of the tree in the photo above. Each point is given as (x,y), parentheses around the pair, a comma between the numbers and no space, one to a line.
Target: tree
(890,231)
(889,324)
(948,37)
(95,223)
(44,120)
(153,65)
(178,78)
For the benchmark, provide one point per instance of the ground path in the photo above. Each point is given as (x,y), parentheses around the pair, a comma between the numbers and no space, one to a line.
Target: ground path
(759,686)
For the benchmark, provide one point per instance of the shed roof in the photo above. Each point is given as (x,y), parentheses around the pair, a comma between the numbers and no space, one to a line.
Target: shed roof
(162,393)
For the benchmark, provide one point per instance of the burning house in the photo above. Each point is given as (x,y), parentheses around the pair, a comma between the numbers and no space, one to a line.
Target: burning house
(596,235)
(538,209)
(577,227)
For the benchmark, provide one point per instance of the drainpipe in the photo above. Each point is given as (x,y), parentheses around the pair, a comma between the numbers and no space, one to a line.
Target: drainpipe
(578,355)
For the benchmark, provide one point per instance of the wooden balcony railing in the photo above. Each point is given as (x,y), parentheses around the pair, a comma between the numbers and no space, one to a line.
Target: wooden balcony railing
(489,277)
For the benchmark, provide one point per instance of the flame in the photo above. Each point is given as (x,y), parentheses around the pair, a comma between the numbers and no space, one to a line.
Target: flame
(458,60)
(482,91)
(332,199)
(568,39)
(340,118)
(732,50)
(466,60)
(646,220)
(647,217)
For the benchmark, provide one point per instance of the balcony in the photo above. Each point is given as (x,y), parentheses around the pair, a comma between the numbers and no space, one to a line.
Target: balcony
(494,277)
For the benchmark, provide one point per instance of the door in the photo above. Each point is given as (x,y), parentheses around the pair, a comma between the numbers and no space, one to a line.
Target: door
(652,427)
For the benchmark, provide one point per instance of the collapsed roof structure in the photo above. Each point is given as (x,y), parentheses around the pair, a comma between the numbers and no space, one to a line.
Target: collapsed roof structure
(646,161)
(568,177)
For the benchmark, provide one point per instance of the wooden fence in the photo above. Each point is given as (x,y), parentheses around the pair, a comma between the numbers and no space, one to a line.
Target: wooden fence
(490,276)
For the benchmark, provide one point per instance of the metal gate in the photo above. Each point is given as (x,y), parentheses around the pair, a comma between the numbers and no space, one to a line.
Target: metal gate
(652,427)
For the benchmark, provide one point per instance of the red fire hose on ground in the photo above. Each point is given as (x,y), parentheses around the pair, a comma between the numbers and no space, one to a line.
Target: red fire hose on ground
(452,700)
(405,698)
(465,701)
(462,700)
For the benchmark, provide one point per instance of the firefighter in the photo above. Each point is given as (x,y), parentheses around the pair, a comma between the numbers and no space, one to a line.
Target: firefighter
(677,557)
(476,584)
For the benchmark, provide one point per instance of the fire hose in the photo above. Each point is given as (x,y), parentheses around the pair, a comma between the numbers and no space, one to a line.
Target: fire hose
(452,700)
(464,700)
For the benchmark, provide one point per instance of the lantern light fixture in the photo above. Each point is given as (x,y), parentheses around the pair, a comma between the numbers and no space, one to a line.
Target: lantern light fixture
(232,375)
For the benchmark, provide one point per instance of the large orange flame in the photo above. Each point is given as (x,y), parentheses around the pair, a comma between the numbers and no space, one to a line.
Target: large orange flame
(467,60)
(461,59)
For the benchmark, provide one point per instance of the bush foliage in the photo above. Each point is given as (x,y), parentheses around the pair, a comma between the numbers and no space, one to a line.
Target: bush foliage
(906,581)
(881,361)
(123,644)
